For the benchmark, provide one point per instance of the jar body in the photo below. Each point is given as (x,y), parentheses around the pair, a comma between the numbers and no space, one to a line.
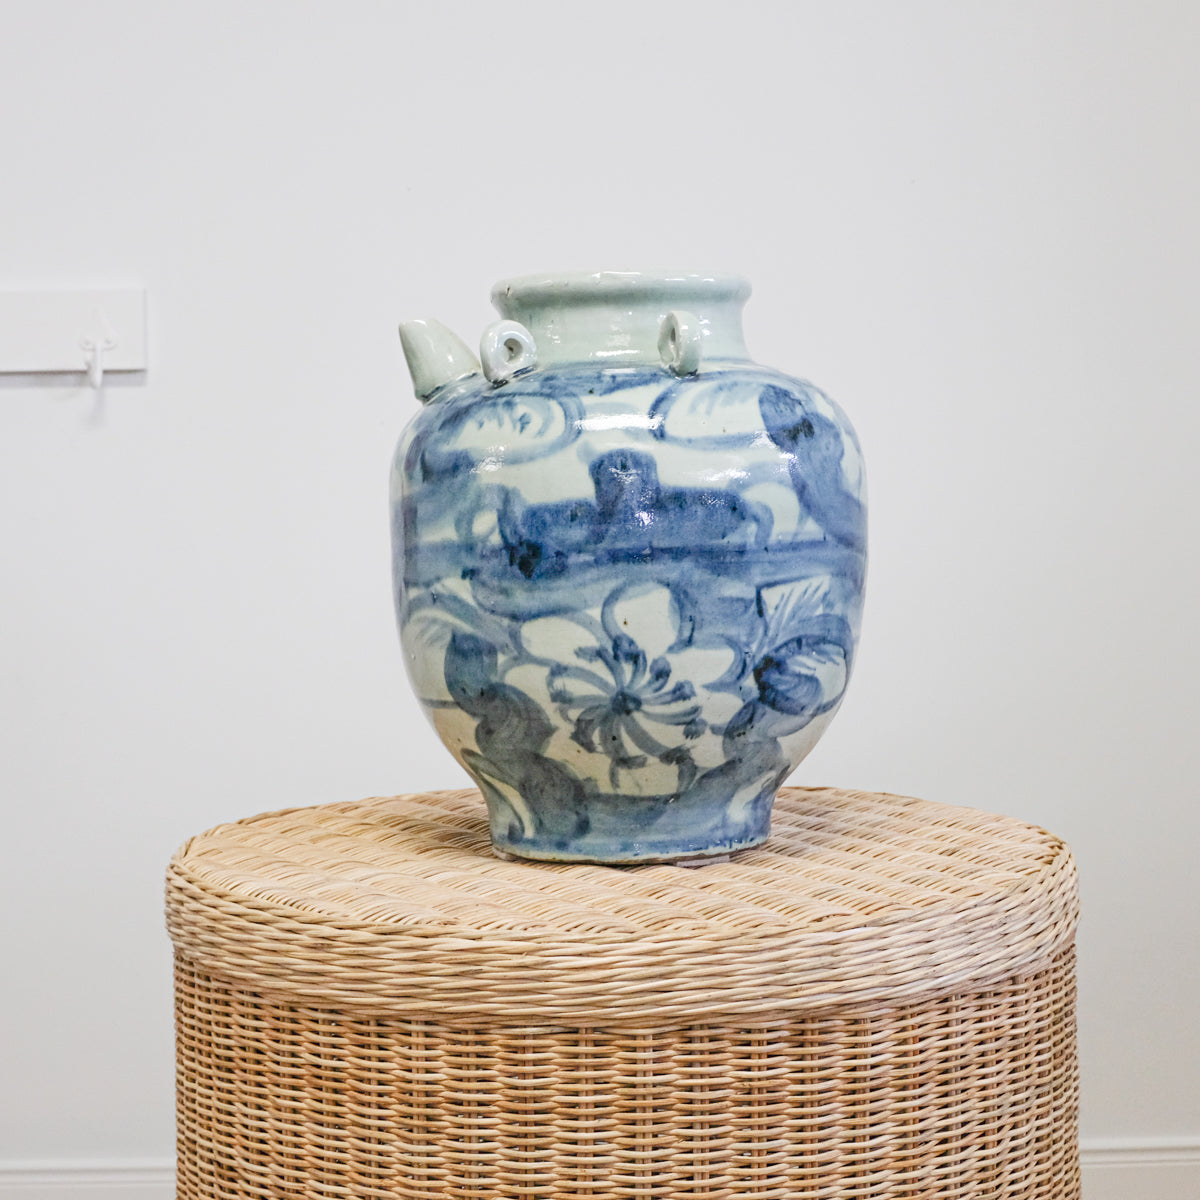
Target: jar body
(629,601)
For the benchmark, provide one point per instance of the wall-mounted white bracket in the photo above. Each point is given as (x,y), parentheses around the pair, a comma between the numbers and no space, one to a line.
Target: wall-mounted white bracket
(66,332)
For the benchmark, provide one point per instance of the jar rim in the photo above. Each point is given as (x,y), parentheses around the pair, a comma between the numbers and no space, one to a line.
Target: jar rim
(583,286)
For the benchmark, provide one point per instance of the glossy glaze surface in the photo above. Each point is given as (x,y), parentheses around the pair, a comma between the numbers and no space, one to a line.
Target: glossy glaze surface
(629,599)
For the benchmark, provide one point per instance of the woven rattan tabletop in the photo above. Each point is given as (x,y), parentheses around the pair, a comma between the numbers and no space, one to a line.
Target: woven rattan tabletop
(398,903)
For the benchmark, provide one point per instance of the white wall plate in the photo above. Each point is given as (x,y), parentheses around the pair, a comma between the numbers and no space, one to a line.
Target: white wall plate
(46,331)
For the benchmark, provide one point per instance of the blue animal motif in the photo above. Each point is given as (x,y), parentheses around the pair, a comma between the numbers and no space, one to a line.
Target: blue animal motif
(631,517)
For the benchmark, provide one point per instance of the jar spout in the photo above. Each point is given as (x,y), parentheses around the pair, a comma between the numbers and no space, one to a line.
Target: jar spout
(436,356)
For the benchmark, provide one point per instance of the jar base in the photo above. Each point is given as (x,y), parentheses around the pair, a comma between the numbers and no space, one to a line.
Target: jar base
(622,829)
(689,859)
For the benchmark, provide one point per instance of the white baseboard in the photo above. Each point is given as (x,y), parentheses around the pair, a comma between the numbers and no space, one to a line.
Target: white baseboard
(1113,1169)
(88,1179)
(1141,1168)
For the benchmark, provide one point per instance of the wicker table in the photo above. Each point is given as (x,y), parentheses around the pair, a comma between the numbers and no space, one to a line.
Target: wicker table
(877,1003)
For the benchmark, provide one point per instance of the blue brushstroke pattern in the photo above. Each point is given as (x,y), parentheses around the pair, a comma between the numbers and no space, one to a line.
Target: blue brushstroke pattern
(713,549)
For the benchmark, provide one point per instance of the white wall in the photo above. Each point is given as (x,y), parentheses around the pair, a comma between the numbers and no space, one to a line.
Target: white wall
(973,224)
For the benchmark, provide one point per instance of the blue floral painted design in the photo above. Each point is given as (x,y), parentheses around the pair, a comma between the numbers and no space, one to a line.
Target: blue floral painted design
(621,701)
(616,715)
(630,602)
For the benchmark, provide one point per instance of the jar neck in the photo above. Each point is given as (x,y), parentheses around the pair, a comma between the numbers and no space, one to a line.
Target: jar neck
(616,317)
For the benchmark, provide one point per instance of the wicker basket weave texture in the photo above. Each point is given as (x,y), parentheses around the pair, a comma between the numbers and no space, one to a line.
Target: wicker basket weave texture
(877,1003)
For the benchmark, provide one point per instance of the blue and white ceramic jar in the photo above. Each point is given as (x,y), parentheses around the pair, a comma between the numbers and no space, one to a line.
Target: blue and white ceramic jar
(629,565)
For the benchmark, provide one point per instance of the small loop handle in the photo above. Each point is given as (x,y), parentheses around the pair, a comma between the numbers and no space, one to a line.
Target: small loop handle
(506,349)
(680,339)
